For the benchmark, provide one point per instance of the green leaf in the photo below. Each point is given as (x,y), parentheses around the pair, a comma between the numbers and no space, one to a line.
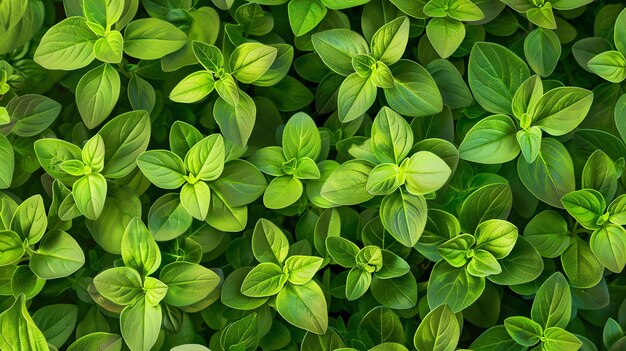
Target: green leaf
(139,250)
(392,137)
(68,45)
(497,237)
(542,16)
(301,138)
(445,35)
(454,287)
(29,219)
(600,174)
(205,159)
(560,339)
(552,306)
(525,99)
(523,330)
(611,333)
(187,283)
(110,48)
(465,10)
(140,325)
(250,61)
(495,339)
(11,247)
(32,114)
(56,322)
(356,96)
(18,329)
(163,168)
(404,215)
(98,341)
(494,74)
(52,152)
(193,88)
(121,285)
(155,291)
(384,179)
(542,50)
(97,93)
(182,137)
(269,243)
(560,110)
(439,330)
(266,279)
(304,306)
(455,250)
(610,65)
(390,40)
(415,93)
(608,243)
(587,206)
(241,333)
(580,264)
(346,185)
(103,12)
(228,89)
(304,15)
(89,194)
(306,169)
(548,233)
(551,176)
(152,38)
(396,293)
(236,122)
(617,210)
(492,141)
(209,56)
(93,153)
(357,283)
(336,47)
(301,269)
(425,172)
(393,266)
(530,143)
(125,138)
(58,256)
(492,201)
(483,264)
(342,251)
(7,162)
(282,192)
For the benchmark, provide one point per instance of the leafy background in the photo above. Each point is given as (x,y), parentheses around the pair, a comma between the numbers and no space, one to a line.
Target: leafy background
(312,174)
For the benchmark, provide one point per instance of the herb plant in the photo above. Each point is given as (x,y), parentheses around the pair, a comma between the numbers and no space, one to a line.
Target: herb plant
(342,175)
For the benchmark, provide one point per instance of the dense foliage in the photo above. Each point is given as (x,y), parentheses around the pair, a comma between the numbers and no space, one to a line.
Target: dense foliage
(367,175)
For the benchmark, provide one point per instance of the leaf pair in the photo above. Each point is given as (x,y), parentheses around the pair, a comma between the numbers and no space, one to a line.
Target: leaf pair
(550,314)
(299,299)
(378,64)
(292,164)
(497,139)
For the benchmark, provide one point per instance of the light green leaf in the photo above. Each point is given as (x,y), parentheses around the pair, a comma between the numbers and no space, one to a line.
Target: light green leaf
(89,194)
(304,306)
(68,45)
(140,325)
(492,141)
(425,172)
(404,216)
(439,330)
(152,38)
(250,61)
(58,256)
(494,74)
(392,137)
